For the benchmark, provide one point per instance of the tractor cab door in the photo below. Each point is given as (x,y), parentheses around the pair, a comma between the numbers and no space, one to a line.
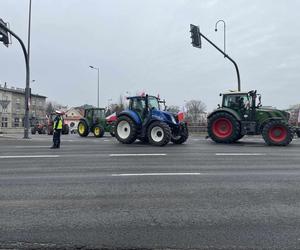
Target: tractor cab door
(138,105)
(89,114)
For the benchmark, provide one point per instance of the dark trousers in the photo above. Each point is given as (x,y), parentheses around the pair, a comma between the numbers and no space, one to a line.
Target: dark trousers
(56,138)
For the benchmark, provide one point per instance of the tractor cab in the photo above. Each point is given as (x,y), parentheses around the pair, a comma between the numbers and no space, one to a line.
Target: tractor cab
(94,115)
(143,104)
(244,103)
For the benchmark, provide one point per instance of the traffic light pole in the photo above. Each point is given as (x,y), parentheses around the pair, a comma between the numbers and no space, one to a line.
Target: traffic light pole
(27,89)
(226,56)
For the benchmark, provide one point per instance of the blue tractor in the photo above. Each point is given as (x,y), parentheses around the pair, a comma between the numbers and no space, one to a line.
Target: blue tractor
(144,120)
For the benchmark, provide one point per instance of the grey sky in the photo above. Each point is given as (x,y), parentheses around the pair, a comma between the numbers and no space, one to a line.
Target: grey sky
(144,45)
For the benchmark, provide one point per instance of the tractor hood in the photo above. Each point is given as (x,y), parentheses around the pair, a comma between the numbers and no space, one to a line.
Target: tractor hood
(164,116)
(271,112)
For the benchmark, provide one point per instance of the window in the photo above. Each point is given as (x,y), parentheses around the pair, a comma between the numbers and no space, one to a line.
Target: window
(16,122)
(153,103)
(4,122)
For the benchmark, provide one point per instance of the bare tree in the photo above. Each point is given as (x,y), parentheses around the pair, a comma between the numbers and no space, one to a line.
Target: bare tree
(195,108)
(173,109)
(49,108)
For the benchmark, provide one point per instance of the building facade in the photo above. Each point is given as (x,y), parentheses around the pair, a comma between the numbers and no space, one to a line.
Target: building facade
(12,108)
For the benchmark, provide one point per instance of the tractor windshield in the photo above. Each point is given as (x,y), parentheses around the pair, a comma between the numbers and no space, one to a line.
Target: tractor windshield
(153,103)
(99,113)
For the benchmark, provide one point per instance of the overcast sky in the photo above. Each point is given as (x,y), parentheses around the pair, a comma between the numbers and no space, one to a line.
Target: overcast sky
(144,45)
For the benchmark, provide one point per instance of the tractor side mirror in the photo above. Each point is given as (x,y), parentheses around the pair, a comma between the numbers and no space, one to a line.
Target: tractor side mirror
(259,101)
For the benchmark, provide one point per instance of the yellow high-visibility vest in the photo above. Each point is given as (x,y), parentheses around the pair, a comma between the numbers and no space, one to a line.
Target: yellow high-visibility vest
(59,123)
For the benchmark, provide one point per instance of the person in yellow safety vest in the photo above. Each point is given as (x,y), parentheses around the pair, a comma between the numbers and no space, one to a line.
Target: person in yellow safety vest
(57,128)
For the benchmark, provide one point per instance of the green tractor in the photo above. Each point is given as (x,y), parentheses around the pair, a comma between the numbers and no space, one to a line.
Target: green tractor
(241,114)
(94,121)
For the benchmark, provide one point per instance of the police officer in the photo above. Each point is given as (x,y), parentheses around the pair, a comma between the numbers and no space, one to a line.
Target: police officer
(57,127)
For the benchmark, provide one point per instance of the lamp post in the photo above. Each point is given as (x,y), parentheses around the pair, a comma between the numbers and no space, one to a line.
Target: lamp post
(216,25)
(92,67)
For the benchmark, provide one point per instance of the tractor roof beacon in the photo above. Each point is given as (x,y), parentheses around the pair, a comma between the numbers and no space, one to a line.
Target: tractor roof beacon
(144,120)
(93,121)
(241,113)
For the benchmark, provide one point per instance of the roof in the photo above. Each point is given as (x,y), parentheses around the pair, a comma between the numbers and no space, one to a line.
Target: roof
(141,96)
(235,93)
(18,91)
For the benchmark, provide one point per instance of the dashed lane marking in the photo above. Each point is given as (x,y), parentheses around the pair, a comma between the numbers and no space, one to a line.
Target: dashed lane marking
(128,155)
(240,154)
(154,174)
(27,156)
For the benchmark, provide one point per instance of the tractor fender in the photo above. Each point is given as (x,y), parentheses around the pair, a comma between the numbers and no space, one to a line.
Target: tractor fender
(227,110)
(132,115)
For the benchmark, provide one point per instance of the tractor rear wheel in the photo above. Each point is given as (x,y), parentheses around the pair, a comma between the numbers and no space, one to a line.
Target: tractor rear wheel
(82,129)
(125,130)
(182,137)
(277,133)
(159,133)
(222,127)
(98,131)
(239,137)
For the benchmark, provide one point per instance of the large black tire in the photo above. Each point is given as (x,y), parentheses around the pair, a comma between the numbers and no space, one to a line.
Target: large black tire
(33,131)
(159,133)
(239,137)
(83,129)
(277,133)
(65,129)
(182,137)
(125,130)
(98,131)
(298,132)
(222,127)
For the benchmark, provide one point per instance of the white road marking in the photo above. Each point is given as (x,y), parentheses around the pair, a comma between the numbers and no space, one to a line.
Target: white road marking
(32,146)
(106,140)
(156,174)
(27,156)
(124,155)
(239,154)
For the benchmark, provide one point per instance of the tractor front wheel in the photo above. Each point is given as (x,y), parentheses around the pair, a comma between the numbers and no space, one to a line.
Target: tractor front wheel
(182,137)
(222,127)
(159,133)
(125,130)
(98,131)
(83,129)
(33,131)
(277,133)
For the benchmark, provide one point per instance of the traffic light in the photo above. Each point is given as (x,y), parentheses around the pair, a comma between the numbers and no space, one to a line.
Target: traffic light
(195,35)
(4,36)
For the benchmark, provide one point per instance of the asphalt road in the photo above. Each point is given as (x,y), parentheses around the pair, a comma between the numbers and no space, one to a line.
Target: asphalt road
(96,193)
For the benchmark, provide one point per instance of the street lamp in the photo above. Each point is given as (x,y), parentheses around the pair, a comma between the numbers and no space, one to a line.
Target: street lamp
(216,25)
(92,67)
